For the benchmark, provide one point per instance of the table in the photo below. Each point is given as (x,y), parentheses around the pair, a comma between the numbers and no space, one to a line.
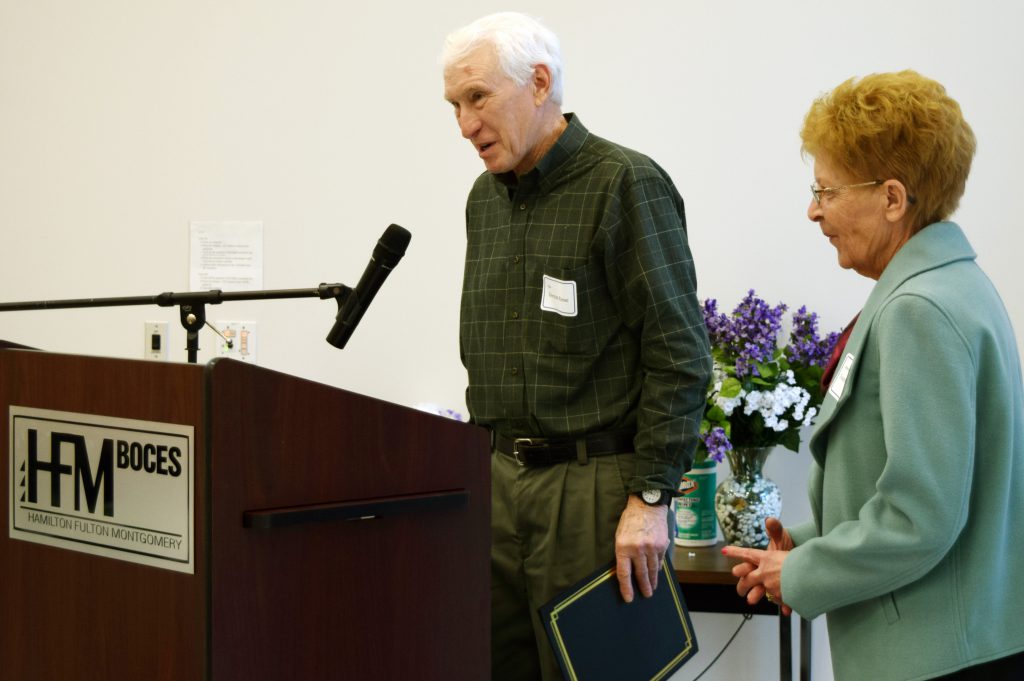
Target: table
(705,578)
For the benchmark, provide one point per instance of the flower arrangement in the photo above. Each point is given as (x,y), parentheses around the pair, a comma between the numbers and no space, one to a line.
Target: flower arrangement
(761,395)
(441,411)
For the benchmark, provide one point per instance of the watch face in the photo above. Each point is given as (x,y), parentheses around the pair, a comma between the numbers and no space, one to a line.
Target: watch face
(651,496)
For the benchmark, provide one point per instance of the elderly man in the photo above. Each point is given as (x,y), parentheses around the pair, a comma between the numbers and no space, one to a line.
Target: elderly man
(580,331)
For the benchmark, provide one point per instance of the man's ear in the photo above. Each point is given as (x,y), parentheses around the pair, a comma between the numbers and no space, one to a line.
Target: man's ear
(541,83)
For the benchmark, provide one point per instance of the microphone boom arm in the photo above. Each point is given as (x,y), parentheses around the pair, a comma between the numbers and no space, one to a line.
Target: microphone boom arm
(192,304)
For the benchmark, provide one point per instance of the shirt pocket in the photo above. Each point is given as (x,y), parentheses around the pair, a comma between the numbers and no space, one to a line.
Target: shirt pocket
(595,320)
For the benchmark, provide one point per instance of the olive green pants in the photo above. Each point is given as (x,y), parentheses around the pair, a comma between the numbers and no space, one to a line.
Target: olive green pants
(551,527)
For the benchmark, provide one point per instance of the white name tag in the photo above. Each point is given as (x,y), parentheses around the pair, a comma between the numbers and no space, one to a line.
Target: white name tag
(558,296)
(839,379)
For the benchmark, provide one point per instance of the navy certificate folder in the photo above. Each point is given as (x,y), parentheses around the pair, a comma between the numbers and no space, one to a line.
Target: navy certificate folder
(597,636)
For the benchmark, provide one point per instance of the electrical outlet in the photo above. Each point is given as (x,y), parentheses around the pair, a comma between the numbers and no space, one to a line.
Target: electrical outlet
(155,341)
(242,338)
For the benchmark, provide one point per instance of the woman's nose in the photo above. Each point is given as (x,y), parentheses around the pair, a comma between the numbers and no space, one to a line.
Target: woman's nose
(814,213)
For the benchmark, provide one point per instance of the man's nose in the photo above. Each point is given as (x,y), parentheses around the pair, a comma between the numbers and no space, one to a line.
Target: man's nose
(469,124)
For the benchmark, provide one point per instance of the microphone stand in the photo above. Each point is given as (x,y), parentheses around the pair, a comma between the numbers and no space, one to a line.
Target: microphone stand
(192,305)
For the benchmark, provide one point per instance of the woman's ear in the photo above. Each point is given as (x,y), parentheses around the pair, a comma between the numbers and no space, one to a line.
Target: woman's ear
(897,200)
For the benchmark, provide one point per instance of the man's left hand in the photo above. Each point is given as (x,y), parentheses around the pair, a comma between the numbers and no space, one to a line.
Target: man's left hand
(641,542)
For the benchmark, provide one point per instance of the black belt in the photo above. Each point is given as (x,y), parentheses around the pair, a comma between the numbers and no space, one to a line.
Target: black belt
(543,451)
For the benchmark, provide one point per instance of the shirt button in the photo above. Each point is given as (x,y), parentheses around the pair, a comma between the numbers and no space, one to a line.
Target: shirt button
(515,259)
(515,371)
(522,206)
(515,315)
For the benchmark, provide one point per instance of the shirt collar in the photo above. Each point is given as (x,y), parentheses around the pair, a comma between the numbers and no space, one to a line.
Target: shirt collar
(565,147)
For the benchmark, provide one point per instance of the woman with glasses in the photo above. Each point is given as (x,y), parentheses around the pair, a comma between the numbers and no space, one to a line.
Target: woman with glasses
(917,481)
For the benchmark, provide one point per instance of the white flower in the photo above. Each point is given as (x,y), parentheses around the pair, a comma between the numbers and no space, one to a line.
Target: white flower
(811,413)
(729,404)
(772,406)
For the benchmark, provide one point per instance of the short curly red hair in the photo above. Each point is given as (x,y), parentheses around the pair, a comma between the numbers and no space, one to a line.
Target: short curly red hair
(896,125)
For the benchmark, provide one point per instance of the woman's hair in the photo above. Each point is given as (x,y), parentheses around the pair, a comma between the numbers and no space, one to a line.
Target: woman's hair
(896,126)
(520,42)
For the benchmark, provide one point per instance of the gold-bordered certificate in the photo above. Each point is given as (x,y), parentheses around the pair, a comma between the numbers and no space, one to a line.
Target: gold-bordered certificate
(597,636)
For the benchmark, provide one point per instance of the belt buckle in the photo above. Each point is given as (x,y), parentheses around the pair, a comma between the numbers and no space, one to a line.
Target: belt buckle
(515,448)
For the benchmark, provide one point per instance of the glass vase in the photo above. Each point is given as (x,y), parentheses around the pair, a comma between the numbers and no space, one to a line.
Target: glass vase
(746,498)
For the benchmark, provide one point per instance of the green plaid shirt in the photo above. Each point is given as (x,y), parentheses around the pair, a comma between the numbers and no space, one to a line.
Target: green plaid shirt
(579,307)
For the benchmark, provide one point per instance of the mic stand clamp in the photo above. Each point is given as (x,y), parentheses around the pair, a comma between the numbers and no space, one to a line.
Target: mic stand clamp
(193,318)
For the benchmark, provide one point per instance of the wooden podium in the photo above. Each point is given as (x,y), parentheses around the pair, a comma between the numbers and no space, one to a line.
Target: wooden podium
(335,536)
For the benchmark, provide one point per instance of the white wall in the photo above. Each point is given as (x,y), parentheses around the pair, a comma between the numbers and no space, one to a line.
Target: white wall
(121,121)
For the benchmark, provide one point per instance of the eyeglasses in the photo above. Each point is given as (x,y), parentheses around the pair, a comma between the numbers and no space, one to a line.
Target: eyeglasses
(817,191)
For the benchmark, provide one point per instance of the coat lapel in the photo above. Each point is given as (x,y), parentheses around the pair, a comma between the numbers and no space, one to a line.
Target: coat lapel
(934,246)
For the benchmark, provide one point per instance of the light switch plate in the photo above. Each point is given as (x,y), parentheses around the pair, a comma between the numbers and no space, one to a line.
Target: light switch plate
(155,341)
(243,340)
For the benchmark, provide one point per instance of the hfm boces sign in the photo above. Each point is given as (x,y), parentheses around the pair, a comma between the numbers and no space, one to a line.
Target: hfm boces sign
(107,486)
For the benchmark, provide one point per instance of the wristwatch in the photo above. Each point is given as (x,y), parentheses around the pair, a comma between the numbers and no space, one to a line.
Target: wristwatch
(656,497)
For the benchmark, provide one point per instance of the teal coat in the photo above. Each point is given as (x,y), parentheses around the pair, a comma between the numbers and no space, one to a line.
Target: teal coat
(917,485)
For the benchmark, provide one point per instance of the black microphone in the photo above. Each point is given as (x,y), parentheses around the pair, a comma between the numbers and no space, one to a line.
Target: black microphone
(386,254)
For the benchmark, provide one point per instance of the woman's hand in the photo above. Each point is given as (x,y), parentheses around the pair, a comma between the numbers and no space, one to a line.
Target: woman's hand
(760,573)
(778,537)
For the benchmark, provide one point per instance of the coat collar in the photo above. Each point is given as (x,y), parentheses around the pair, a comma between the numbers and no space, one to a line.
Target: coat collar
(936,245)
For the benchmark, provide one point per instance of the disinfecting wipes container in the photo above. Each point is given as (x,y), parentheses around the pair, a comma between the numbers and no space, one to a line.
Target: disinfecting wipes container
(695,507)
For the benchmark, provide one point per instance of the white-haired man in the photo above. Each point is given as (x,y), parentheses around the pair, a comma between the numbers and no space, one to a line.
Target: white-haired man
(580,331)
